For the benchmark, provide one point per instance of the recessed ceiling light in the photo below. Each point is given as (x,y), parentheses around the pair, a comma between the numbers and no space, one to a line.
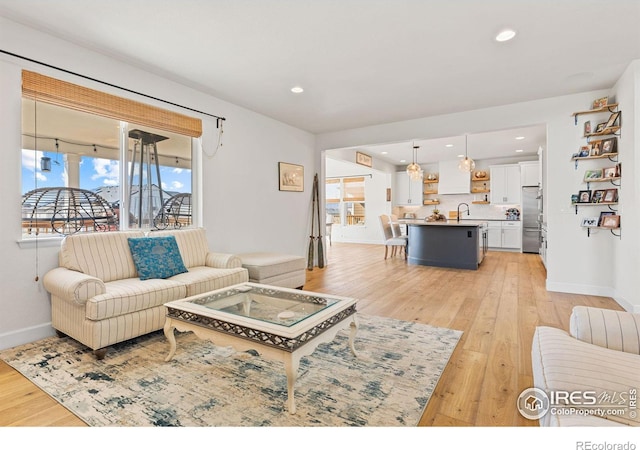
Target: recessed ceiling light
(519,150)
(403,160)
(519,138)
(505,35)
(460,156)
(297,90)
(449,145)
(384,153)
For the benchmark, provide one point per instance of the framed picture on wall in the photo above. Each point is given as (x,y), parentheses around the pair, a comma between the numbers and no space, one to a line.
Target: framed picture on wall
(291,177)
(604,214)
(363,159)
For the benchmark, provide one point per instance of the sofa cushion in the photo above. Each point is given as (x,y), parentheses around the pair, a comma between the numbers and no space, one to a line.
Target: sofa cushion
(156,257)
(131,295)
(562,363)
(199,280)
(102,255)
(192,243)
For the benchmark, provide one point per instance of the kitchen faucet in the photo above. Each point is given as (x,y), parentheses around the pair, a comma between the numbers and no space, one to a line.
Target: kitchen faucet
(459,205)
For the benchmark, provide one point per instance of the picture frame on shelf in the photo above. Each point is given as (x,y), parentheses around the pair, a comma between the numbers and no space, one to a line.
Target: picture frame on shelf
(600,103)
(587,128)
(593,174)
(611,221)
(589,222)
(597,196)
(610,172)
(613,118)
(600,127)
(604,214)
(610,196)
(585,150)
(291,177)
(609,145)
(574,199)
(596,148)
(584,196)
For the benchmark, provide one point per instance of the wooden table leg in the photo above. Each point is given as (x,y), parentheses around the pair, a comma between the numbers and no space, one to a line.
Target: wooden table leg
(291,366)
(171,337)
(352,335)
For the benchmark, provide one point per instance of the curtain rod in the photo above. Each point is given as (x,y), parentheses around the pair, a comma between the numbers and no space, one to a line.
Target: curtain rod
(370,175)
(218,118)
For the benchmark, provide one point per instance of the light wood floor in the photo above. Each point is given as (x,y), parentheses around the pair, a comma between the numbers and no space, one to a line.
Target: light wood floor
(497,307)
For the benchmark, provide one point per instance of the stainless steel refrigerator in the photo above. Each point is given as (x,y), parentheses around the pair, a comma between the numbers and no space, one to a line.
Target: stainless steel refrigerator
(531,211)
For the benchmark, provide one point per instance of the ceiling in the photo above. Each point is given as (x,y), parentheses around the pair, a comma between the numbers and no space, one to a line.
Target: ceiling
(522,143)
(360,62)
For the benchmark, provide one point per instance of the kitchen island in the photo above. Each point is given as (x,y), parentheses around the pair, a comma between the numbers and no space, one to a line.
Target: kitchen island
(454,244)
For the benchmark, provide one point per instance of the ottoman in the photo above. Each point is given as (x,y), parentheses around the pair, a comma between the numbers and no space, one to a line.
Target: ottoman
(275,269)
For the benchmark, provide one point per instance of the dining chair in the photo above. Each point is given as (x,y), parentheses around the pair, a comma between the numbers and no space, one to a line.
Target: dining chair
(390,240)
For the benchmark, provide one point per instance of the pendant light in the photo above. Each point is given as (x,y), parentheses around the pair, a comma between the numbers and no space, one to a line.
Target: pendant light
(45,164)
(414,170)
(467,164)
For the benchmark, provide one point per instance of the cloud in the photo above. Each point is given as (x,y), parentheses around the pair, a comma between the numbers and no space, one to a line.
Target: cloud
(107,170)
(178,170)
(177,185)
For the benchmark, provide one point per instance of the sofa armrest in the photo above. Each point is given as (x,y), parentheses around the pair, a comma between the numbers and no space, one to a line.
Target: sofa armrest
(223,260)
(72,286)
(617,330)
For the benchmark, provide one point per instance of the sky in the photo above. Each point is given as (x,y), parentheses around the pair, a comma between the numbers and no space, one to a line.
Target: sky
(94,173)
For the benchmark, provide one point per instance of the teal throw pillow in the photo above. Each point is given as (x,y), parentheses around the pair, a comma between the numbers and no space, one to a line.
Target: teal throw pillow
(156,257)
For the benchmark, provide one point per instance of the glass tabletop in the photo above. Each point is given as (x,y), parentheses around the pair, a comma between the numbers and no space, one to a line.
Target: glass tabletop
(266,304)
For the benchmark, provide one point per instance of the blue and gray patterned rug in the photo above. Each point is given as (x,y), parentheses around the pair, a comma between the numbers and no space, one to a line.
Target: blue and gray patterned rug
(389,384)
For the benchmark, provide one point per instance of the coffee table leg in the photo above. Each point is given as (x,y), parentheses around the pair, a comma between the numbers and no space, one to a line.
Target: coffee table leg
(291,366)
(352,335)
(171,337)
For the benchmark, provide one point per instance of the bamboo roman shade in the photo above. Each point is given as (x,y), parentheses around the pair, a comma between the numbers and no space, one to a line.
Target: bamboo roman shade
(61,93)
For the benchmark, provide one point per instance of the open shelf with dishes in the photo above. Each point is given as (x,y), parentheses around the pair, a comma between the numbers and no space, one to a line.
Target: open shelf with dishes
(480,187)
(430,188)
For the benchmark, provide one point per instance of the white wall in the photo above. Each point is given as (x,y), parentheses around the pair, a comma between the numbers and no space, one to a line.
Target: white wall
(575,263)
(243,208)
(627,262)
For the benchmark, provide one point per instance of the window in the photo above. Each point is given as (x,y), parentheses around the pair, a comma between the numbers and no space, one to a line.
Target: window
(83,163)
(345,200)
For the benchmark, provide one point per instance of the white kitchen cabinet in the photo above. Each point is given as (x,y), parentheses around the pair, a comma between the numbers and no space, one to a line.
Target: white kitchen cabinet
(505,184)
(511,235)
(494,234)
(506,234)
(407,191)
(529,173)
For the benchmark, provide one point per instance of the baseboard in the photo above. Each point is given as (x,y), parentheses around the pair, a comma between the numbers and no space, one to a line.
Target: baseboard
(586,289)
(25,335)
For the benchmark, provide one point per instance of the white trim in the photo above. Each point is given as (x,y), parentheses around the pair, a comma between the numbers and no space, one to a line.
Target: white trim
(25,335)
(584,289)
(50,241)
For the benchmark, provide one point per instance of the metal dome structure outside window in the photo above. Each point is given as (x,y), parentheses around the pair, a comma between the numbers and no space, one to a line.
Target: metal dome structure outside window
(66,210)
(176,212)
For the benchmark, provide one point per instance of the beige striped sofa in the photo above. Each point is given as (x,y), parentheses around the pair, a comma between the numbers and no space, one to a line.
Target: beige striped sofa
(598,361)
(98,299)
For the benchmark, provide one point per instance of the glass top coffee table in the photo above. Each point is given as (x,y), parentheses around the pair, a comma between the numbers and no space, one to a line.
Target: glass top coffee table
(281,324)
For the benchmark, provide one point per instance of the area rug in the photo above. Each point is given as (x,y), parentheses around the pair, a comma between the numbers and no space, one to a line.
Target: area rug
(389,383)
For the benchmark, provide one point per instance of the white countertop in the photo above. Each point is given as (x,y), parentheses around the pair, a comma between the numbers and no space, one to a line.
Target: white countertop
(448,223)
